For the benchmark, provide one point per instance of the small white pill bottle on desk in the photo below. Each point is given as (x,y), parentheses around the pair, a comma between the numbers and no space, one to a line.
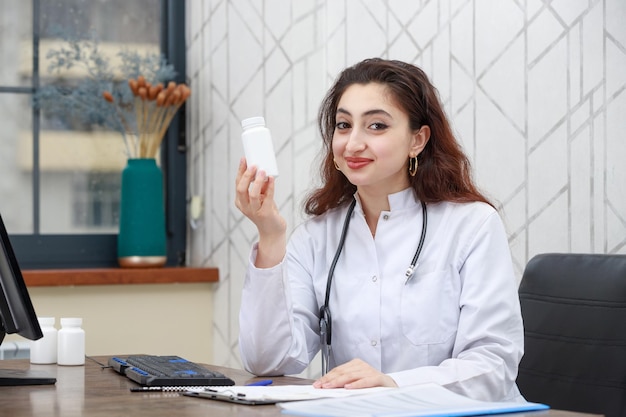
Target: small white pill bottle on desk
(44,350)
(71,342)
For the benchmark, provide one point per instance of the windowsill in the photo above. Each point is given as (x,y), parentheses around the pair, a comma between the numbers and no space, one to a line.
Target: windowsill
(118,276)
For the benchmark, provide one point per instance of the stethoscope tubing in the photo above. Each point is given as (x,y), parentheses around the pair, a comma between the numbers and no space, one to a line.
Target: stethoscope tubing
(325,316)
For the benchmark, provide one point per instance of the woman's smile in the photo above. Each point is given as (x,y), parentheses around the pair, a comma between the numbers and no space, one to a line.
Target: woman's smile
(357,163)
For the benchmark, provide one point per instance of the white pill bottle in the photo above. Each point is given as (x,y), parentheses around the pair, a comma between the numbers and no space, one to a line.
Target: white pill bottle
(258,146)
(44,350)
(71,342)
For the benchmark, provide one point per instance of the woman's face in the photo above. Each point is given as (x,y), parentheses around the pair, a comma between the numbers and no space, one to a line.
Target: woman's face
(373,141)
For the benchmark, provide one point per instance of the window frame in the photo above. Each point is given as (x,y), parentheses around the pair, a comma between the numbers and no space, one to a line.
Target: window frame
(52,251)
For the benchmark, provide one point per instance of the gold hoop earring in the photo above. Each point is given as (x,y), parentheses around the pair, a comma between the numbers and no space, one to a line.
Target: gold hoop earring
(413,166)
(336,166)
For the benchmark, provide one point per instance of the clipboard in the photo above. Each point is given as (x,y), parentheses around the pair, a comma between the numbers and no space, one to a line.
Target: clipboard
(263,395)
(237,399)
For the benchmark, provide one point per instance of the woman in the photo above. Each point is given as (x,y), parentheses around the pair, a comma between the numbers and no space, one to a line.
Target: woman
(451,316)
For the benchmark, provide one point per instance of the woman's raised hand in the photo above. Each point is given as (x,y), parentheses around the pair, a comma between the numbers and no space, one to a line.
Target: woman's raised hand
(255,198)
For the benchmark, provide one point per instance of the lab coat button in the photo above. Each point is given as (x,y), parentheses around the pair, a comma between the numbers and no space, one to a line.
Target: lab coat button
(374,278)
(374,343)
(386,217)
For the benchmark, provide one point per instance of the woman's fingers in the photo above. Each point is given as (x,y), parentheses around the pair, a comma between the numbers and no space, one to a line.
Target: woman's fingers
(257,189)
(254,192)
(245,177)
(241,169)
(354,374)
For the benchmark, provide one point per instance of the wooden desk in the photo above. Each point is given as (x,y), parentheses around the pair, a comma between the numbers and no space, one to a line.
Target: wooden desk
(93,391)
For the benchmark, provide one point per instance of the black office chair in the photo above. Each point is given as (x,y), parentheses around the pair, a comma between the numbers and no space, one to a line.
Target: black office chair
(574,311)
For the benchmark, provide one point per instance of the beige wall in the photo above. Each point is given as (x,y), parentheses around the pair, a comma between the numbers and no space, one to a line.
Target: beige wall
(163,319)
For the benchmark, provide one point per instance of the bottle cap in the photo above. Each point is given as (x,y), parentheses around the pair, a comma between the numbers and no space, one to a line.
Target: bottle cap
(253,121)
(46,321)
(71,321)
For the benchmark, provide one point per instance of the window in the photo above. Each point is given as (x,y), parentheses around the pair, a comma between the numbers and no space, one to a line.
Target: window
(60,178)
(96,202)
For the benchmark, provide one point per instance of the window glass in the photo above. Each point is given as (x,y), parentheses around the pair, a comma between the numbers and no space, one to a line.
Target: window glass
(16,162)
(16,41)
(60,173)
(81,160)
(116,21)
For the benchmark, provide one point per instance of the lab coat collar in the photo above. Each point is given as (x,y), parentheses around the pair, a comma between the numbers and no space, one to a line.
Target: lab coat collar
(401,200)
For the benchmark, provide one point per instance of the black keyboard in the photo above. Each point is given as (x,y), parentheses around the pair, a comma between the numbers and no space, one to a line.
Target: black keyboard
(167,371)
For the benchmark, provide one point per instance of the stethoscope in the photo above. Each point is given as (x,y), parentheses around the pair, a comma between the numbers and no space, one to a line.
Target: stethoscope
(325,318)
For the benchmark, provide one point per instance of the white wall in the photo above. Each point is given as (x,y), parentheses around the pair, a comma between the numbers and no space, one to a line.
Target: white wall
(535,90)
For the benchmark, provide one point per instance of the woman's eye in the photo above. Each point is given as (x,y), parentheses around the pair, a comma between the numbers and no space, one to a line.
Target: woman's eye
(342,125)
(378,126)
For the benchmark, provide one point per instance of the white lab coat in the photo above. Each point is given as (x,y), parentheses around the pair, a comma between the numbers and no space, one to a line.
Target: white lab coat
(457,322)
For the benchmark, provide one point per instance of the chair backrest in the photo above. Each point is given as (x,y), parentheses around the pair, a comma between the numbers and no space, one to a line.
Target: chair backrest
(574,311)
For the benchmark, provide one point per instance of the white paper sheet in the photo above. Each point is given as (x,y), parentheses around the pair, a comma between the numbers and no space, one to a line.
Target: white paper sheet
(416,401)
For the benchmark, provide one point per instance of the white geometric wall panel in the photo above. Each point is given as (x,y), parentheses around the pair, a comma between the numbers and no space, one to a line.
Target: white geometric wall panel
(536,91)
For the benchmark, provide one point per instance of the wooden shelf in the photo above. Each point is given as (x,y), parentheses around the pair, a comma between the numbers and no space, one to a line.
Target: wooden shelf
(117,276)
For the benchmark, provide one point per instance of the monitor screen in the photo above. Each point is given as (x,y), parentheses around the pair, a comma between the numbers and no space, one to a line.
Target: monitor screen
(17,314)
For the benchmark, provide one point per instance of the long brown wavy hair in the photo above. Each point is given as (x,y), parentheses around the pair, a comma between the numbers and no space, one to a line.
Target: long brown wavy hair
(444,172)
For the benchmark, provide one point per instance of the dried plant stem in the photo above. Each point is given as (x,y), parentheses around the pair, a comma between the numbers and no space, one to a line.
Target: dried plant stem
(143,140)
(169,115)
(109,97)
(157,116)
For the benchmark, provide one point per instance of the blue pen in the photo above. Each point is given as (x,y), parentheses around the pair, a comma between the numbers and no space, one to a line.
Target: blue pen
(261,383)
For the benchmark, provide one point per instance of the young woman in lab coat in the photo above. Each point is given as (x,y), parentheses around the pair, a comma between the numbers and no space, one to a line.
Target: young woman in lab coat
(451,318)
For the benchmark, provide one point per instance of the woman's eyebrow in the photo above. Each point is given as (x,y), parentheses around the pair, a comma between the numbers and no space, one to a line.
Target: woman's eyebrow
(375,112)
(367,113)
(343,111)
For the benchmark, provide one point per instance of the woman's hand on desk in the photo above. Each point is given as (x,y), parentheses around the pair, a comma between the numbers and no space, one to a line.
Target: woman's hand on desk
(255,199)
(354,374)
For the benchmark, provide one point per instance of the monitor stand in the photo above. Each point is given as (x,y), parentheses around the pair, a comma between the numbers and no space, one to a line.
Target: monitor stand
(14,377)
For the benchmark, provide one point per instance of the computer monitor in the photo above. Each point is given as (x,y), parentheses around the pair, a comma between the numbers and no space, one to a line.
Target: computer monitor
(17,314)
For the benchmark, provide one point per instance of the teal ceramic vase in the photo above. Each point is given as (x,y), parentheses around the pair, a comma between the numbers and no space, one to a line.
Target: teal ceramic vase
(141,241)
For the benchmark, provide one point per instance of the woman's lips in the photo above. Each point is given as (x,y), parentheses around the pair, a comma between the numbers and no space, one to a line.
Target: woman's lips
(357,163)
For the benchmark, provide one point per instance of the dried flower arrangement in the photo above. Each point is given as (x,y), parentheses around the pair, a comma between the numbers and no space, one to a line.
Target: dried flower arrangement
(155,106)
(136,98)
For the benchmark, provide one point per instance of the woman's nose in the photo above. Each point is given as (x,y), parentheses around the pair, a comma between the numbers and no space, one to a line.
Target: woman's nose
(355,141)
